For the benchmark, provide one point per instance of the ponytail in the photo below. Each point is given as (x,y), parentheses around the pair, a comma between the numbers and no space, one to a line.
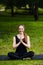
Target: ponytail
(25,37)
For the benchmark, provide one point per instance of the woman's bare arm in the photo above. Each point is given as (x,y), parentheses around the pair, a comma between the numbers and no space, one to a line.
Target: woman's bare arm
(28,42)
(14,43)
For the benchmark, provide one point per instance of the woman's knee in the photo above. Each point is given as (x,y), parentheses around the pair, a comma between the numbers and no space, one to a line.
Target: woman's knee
(10,54)
(31,53)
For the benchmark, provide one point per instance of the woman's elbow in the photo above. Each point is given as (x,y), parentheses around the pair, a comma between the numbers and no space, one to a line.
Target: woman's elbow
(13,47)
(29,47)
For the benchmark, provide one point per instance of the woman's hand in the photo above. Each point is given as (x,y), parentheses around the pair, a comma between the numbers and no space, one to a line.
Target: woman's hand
(28,42)
(20,39)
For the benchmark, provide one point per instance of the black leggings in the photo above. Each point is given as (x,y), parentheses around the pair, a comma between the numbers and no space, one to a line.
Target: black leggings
(13,55)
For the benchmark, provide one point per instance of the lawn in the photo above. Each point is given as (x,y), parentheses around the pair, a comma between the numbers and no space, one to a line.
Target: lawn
(9,28)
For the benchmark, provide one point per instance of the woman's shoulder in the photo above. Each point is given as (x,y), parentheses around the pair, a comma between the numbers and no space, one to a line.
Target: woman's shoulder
(28,36)
(15,36)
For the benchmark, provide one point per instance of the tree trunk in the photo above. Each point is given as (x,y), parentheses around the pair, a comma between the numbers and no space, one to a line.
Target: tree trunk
(12,11)
(31,8)
(36,11)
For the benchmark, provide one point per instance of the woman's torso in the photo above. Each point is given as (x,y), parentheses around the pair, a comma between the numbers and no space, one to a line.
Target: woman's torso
(21,49)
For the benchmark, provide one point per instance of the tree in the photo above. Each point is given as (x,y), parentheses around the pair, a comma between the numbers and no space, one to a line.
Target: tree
(40,3)
(20,3)
(33,7)
(36,10)
(10,5)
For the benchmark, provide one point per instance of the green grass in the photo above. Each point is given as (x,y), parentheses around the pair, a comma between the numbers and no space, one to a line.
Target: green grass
(20,62)
(9,28)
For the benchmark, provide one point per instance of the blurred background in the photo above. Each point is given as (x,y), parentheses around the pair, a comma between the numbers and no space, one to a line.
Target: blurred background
(21,7)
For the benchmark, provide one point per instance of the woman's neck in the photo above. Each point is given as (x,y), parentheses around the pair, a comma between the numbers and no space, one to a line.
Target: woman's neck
(21,33)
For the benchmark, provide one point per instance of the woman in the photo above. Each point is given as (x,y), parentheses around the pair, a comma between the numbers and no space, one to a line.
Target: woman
(21,41)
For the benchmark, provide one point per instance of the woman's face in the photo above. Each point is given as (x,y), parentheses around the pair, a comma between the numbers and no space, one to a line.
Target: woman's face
(21,28)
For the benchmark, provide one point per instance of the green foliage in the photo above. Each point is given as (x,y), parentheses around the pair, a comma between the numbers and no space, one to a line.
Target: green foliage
(20,3)
(41,3)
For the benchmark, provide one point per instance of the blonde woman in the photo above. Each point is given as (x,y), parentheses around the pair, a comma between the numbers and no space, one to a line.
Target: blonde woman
(21,42)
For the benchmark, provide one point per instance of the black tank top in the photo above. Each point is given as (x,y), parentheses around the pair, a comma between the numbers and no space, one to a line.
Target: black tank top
(21,49)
